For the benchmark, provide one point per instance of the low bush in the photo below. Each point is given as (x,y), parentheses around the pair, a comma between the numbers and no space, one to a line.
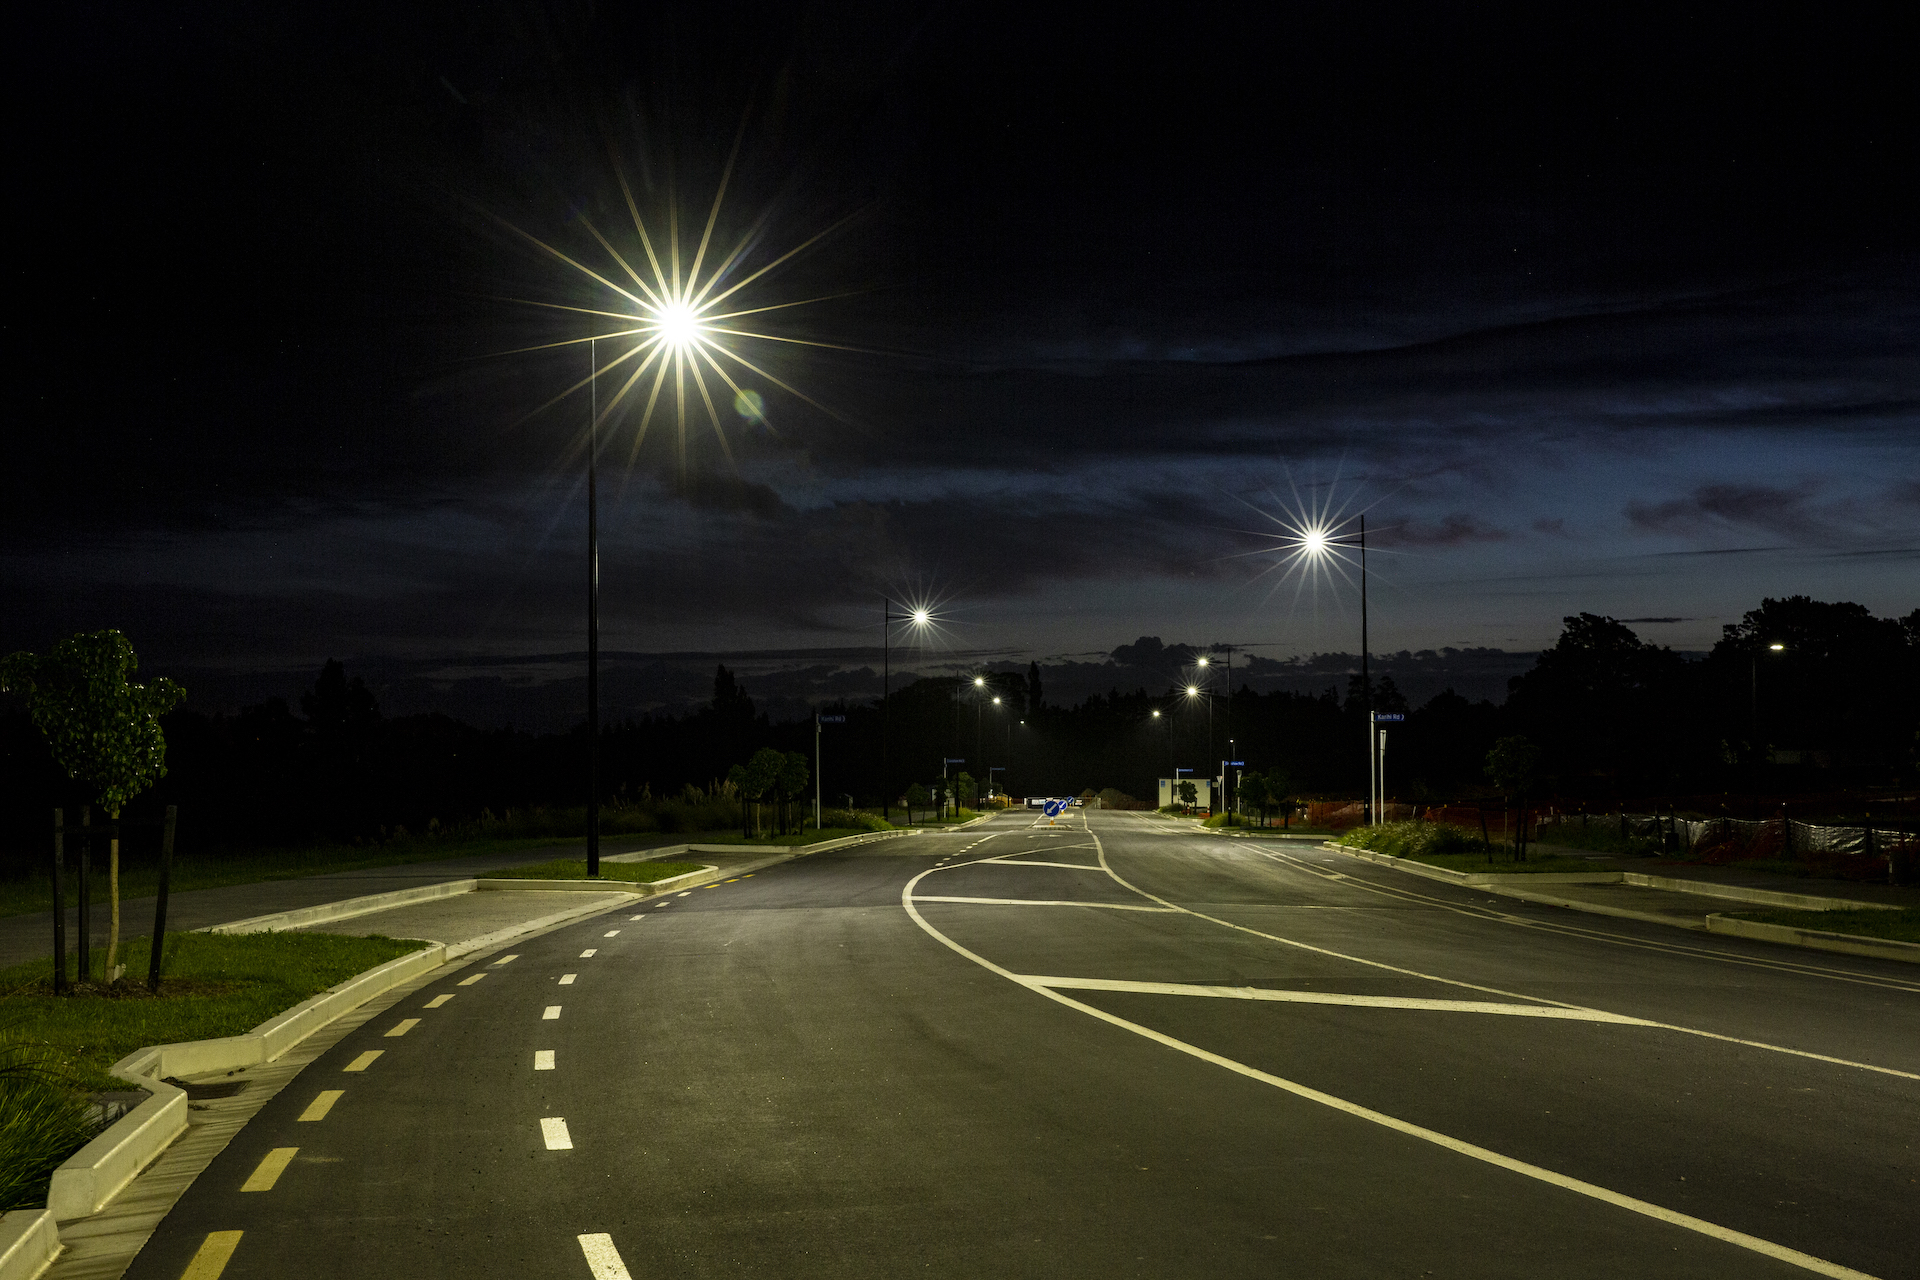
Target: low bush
(1596,837)
(1414,839)
(854,820)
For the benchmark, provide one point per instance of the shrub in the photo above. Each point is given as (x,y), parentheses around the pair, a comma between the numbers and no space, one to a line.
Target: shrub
(42,1122)
(1413,839)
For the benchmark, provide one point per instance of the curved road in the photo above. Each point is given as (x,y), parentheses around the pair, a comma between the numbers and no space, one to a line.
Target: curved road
(1107,1047)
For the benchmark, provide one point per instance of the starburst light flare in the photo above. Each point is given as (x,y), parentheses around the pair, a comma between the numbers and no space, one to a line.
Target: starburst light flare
(1310,542)
(669,323)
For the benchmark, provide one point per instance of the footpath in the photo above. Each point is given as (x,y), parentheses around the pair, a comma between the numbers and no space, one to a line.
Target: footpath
(108,1198)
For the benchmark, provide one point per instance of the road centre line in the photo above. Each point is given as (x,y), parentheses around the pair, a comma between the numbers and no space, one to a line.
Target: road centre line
(403,1026)
(1657,1212)
(602,1258)
(437,1001)
(1475,911)
(553,1129)
(467,982)
(1327,997)
(553,1012)
(566,979)
(1515,995)
(318,1108)
(268,1171)
(1045,902)
(543,1059)
(211,1258)
(364,1061)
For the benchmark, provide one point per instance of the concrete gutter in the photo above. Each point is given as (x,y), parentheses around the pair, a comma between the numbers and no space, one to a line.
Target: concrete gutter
(1851,944)
(29,1242)
(96,1173)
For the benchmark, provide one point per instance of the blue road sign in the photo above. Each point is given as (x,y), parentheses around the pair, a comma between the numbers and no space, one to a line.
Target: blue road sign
(961,761)
(1384,717)
(1054,807)
(833,719)
(1237,762)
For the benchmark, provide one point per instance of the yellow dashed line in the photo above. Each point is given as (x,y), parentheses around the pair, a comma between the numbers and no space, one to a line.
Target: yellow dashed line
(265,1174)
(364,1061)
(318,1108)
(211,1258)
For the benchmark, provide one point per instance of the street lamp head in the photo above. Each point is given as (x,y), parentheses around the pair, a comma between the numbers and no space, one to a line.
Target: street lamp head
(996,702)
(1776,647)
(678,325)
(1156,713)
(1202,662)
(1193,691)
(921,617)
(979,682)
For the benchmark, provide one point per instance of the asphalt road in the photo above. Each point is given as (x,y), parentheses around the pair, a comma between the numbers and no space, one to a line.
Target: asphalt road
(1099,1049)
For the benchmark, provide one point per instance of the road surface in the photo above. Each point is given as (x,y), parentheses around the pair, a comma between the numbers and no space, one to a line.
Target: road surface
(1108,1047)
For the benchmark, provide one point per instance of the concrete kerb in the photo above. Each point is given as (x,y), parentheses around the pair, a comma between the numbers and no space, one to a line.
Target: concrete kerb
(29,1242)
(1713,922)
(345,909)
(1851,944)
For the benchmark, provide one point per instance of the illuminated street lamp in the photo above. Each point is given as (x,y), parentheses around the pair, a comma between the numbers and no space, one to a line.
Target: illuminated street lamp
(919,617)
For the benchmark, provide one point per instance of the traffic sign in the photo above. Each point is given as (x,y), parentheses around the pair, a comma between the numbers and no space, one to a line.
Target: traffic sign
(833,719)
(1385,716)
(1237,762)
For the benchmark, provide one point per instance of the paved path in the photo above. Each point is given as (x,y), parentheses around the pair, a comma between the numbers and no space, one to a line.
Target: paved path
(1116,1049)
(29,937)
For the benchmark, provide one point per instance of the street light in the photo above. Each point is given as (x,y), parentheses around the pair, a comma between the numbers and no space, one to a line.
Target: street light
(593,611)
(919,618)
(1314,541)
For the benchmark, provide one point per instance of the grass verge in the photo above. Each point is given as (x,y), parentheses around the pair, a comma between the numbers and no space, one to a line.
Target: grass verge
(1897,926)
(1440,845)
(804,837)
(141,880)
(623,872)
(212,985)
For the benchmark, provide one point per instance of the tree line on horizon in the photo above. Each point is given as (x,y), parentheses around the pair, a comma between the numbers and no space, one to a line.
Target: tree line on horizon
(1618,720)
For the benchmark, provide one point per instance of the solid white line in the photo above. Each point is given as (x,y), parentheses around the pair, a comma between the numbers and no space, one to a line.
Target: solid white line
(588,953)
(403,1026)
(508,959)
(318,1108)
(1043,902)
(1328,997)
(603,1258)
(553,1011)
(543,1059)
(1548,1176)
(1012,860)
(566,979)
(437,1001)
(554,1130)
(364,1061)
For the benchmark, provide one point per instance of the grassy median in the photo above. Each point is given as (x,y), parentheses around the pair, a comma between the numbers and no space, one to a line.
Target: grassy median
(54,1050)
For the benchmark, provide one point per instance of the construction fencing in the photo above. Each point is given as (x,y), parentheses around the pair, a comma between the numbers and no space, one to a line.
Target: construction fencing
(1781,837)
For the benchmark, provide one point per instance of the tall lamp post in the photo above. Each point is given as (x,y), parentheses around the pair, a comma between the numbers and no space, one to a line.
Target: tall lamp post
(1316,543)
(593,611)
(919,618)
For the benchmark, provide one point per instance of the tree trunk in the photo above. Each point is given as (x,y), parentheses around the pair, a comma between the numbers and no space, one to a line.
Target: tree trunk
(113,899)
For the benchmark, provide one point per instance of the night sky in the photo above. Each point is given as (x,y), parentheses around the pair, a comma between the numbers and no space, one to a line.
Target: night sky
(1587,308)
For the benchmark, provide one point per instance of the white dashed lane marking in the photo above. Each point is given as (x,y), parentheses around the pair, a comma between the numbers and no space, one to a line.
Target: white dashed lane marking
(588,953)
(554,1130)
(403,1026)
(507,959)
(543,1059)
(602,1257)
(566,979)
(553,1011)
(437,1001)
(467,982)
(611,933)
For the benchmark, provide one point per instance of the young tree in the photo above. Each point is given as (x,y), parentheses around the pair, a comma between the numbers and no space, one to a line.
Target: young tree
(918,797)
(1189,794)
(969,789)
(1514,765)
(753,780)
(103,730)
(794,776)
(1256,795)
